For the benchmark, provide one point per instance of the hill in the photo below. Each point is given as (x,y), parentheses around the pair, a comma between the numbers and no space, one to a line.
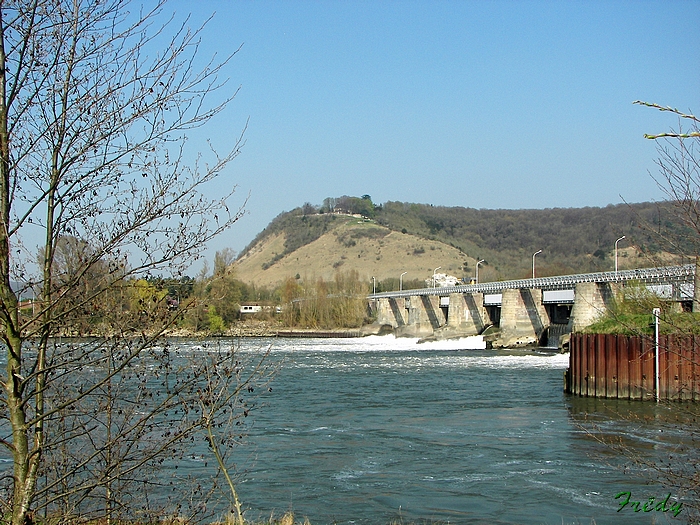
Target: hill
(347,244)
(386,240)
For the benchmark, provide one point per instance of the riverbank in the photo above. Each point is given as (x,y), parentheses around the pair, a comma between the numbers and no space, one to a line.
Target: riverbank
(272,329)
(266,328)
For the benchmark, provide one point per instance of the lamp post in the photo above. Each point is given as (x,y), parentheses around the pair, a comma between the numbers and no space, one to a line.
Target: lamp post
(616,254)
(656,312)
(374,291)
(477,271)
(533,262)
(401,281)
(435,270)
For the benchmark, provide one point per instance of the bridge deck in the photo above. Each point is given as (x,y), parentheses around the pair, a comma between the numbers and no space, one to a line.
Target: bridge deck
(661,275)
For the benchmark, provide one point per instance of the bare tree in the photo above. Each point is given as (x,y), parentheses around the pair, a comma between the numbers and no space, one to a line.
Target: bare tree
(225,402)
(222,260)
(679,180)
(95,104)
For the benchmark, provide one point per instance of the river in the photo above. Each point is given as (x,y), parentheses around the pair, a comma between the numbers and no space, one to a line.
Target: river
(377,429)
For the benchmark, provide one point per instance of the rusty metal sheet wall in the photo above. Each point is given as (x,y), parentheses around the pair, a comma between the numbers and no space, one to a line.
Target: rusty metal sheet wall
(623,367)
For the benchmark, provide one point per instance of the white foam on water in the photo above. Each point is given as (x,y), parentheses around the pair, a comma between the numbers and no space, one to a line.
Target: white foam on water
(373,343)
(454,353)
(461,353)
(543,361)
(475,342)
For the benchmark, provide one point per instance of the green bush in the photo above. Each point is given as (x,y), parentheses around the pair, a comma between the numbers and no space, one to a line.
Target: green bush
(216,322)
(684,323)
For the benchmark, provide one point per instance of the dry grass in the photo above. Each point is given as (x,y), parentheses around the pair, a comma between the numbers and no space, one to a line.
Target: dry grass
(382,257)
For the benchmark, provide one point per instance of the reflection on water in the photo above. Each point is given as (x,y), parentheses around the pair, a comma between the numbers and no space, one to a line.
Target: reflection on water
(658,440)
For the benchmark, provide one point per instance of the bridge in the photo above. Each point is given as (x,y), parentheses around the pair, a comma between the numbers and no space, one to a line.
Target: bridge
(528,311)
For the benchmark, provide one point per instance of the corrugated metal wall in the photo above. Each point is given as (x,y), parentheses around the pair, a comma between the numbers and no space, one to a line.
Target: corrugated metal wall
(622,367)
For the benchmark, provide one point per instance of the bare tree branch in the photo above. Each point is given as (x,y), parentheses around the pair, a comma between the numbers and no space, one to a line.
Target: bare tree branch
(96,104)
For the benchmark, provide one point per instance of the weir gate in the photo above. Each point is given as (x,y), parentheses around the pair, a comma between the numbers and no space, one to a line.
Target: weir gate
(527,312)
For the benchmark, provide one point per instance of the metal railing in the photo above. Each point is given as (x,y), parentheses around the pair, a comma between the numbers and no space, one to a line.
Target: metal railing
(662,275)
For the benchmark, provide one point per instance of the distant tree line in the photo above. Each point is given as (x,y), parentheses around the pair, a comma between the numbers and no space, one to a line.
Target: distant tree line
(208,303)
(572,240)
(340,303)
(215,303)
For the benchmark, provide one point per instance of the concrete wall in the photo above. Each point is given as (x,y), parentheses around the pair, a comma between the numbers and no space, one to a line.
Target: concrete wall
(467,314)
(392,312)
(423,316)
(592,300)
(523,318)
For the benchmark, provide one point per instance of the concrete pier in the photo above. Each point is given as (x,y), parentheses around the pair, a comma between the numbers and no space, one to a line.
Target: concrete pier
(523,318)
(592,301)
(424,317)
(392,311)
(467,314)
(526,311)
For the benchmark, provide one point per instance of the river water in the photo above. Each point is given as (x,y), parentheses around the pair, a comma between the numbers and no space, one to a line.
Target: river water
(377,429)
(380,430)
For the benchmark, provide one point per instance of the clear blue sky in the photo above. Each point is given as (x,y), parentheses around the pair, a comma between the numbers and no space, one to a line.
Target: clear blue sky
(492,104)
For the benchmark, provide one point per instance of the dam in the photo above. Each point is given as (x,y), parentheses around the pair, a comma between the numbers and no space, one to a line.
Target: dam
(528,312)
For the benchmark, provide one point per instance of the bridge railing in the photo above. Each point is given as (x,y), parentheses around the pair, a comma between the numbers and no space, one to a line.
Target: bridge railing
(664,274)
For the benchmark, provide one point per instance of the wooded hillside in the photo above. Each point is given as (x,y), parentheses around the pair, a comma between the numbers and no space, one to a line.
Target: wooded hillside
(572,240)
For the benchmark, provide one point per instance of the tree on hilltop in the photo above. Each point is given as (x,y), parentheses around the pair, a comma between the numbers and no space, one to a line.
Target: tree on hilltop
(355,205)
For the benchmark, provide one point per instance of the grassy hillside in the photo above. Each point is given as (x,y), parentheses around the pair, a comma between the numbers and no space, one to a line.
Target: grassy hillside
(311,242)
(347,244)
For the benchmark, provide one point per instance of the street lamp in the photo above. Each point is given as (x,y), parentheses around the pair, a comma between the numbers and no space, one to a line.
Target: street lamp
(477,271)
(401,281)
(616,254)
(374,285)
(533,262)
(435,270)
